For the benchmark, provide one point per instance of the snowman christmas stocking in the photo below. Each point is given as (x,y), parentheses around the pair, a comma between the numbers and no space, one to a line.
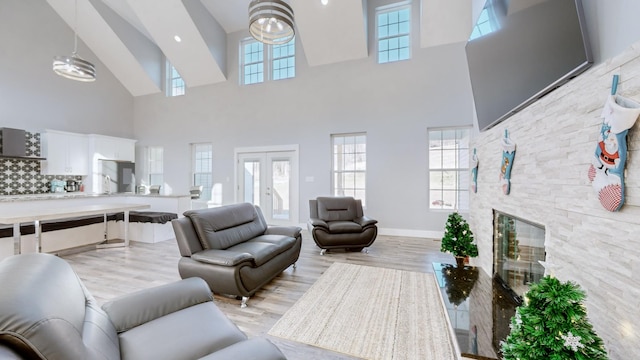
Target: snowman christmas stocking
(474,172)
(508,154)
(606,171)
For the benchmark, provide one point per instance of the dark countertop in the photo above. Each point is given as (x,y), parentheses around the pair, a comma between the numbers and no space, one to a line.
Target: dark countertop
(479,307)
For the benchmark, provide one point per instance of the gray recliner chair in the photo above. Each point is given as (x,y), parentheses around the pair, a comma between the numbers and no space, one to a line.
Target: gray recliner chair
(339,223)
(47,313)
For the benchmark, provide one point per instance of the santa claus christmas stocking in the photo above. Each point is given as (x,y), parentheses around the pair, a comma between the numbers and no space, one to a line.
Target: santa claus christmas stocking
(474,172)
(508,154)
(606,171)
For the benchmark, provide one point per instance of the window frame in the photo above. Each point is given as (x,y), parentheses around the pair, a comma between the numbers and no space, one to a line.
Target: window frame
(462,170)
(206,188)
(151,169)
(358,193)
(395,7)
(171,82)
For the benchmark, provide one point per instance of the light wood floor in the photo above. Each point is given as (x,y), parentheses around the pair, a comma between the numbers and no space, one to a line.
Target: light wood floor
(109,273)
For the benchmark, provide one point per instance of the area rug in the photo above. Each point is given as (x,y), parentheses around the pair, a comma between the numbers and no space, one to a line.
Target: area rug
(370,313)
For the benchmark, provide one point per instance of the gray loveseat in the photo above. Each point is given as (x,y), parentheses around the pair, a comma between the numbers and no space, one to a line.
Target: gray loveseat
(233,249)
(47,313)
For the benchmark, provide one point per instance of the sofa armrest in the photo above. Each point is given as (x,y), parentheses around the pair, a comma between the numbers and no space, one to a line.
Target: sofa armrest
(255,348)
(140,307)
(318,223)
(222,257)
(292,231)
(365,221)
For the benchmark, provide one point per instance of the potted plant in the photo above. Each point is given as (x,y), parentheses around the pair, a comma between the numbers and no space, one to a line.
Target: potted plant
(458,239)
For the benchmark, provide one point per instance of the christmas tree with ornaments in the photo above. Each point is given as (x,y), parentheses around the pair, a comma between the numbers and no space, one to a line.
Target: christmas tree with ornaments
(552,324)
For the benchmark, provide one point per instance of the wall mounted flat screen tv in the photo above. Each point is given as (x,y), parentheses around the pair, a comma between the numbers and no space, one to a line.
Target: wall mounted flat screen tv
(520,50)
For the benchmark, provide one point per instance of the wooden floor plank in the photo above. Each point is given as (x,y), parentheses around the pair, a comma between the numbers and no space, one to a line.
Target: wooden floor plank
(109,273)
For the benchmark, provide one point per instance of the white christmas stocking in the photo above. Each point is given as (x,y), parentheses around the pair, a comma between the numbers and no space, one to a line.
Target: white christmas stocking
(606,171)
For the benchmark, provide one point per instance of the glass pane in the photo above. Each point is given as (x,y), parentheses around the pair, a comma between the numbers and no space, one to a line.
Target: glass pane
(449,200)
(435,139)
(435,160)
(252,182)
(435,199)
(435,180)
(450,180)
(519,248)
(359,180)
(281,170)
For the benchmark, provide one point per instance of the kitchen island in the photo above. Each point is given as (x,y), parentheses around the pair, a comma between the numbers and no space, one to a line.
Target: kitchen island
(53,204)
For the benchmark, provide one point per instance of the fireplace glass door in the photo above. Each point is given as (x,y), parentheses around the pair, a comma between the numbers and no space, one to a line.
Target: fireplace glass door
(518,249)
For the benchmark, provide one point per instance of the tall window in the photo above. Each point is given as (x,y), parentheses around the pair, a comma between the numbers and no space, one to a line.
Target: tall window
(283,60)
(175,84)
(260,62)
(156,168)
(252,62)
(449,168)
(393,24)
(349,165)
(202,165)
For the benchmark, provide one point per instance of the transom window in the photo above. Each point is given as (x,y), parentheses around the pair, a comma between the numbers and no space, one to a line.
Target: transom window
(449,169)
(202,165)
(253,62)
(260,62)
(393,24)
(284,60)
(175,84)
(349,165)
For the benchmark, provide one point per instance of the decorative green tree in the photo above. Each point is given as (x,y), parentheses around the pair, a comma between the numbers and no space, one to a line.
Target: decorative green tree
(458,238)
(552,324)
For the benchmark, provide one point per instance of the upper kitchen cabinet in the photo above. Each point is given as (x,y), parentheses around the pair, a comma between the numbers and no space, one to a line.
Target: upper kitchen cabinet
(103,147)
(66,153)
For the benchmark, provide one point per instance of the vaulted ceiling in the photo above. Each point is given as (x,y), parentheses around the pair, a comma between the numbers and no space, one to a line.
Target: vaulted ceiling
(132,37)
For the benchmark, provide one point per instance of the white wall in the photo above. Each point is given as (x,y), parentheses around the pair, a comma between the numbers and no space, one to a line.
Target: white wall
(394,103)
(33,97)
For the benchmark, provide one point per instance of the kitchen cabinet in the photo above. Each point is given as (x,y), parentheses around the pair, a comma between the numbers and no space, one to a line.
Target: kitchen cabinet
(112,148)
(66,153)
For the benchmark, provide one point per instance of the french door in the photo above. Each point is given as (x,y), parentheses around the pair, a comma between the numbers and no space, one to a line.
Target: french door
(269,179)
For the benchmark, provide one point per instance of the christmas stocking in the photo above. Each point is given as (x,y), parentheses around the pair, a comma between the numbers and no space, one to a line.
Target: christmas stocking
(606,171)
(474,172)
(508,154)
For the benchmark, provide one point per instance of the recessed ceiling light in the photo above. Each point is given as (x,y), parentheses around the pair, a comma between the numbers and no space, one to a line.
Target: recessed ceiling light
(324,2)
(177,38)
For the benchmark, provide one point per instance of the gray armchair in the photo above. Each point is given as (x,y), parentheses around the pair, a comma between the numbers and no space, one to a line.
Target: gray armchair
(339,223)
(47,313)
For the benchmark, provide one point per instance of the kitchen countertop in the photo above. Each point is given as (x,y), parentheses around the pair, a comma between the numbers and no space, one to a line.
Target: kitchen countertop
(76,195)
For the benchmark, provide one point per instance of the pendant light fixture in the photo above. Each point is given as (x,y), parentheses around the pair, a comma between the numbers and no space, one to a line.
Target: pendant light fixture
(74,67)
(271,21)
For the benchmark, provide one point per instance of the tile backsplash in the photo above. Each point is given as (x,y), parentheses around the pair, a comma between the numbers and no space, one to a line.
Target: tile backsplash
(22,176)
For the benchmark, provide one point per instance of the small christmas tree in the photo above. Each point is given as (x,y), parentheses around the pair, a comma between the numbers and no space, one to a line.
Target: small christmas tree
(552,324)
(458,238)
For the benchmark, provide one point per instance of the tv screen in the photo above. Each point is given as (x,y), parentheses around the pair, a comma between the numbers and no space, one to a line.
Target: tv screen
(520,50)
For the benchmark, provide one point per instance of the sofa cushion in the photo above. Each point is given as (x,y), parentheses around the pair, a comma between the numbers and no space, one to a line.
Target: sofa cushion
(157,339)
(226,226)
(337,208)
(338,227)
(266,247)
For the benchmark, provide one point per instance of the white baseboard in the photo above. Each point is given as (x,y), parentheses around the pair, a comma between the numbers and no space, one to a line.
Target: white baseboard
(402,232)
(411,233)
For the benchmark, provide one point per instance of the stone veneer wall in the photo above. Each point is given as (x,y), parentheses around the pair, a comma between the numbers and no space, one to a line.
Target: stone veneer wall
(600,250)
(22,176)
